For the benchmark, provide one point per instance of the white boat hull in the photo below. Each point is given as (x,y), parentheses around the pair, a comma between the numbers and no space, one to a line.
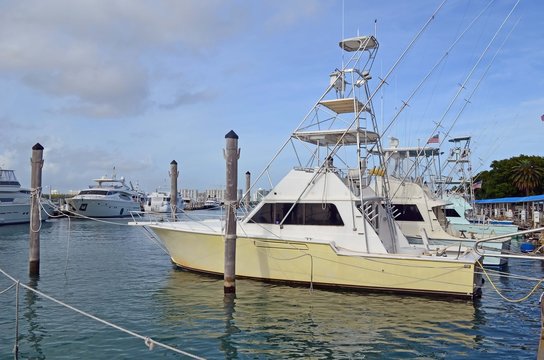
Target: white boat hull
(19,213)
(102,208)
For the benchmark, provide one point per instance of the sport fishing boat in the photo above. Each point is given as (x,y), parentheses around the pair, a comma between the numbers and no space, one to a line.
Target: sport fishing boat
(420,212)
(416,211)
(323,224)
(457,214)
(459,192)
(15,201)
(109,198)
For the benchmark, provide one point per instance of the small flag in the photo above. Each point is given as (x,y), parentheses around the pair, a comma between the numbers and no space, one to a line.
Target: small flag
(477,185)
(435,140)
(542,118)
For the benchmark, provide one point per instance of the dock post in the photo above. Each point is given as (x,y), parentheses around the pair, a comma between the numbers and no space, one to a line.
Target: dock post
(35,222)
(248,186)
(174,188)
(540,353)
(231,154)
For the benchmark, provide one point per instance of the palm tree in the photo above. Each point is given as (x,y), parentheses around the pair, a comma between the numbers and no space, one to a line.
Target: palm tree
(526,175)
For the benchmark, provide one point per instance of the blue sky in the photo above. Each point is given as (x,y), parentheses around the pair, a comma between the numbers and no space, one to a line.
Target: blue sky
(137,84)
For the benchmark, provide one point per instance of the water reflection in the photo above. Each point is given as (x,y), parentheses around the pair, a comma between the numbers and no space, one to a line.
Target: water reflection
(283,321)
(231,329)
(34,332)
(15,232)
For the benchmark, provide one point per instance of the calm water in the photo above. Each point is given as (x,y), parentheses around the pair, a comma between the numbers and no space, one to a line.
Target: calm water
(116,273)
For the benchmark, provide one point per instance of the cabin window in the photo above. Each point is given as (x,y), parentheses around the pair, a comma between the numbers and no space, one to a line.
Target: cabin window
(125,196)
(10,183)
(452,213)
(302,214)
(93,192)
(406,212)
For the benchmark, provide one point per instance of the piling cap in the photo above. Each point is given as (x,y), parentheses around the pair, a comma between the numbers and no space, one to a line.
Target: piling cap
(37,147)
(248,173)
(231,135)
(173,162)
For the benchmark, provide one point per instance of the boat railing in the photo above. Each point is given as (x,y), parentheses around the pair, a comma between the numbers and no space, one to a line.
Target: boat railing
(147,217)
(481,220)
(479,243)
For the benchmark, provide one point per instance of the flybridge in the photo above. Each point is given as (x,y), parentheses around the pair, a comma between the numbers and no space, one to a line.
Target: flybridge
(333,137)
(8,178)
(359,43)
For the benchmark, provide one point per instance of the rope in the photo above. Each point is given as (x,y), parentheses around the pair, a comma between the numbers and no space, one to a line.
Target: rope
(149,342)
(508,275)
(311,266)
(98,220)
(531,292)
(148,234)
(36,193)
(7,289)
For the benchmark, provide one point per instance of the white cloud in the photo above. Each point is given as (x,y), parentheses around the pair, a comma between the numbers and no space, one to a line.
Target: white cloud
(94,55)
(538,102)
(8,159)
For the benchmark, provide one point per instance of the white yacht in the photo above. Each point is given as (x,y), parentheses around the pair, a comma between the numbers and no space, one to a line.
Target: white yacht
(211,204)
(15,201)
(109,198)
(322,224)
(160,202)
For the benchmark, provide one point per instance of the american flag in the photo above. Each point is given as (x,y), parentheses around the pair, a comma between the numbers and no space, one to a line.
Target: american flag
(434,139)
(477,185)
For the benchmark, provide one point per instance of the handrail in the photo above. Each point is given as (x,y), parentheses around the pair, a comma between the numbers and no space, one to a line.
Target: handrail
(530,231)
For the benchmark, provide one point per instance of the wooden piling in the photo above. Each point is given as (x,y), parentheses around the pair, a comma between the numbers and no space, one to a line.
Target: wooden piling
(35,221)
(248,186)
(231,154)
(540,353)
(174,188)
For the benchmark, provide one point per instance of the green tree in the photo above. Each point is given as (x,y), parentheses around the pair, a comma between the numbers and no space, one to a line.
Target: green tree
(527,175)
(498,181)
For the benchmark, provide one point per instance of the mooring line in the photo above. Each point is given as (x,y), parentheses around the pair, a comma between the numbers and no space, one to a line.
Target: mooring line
(7,289)
(531,292)
(149,342)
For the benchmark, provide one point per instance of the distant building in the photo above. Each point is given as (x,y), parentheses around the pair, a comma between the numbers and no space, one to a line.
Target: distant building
(191,194)
(201,196)
(218,194)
